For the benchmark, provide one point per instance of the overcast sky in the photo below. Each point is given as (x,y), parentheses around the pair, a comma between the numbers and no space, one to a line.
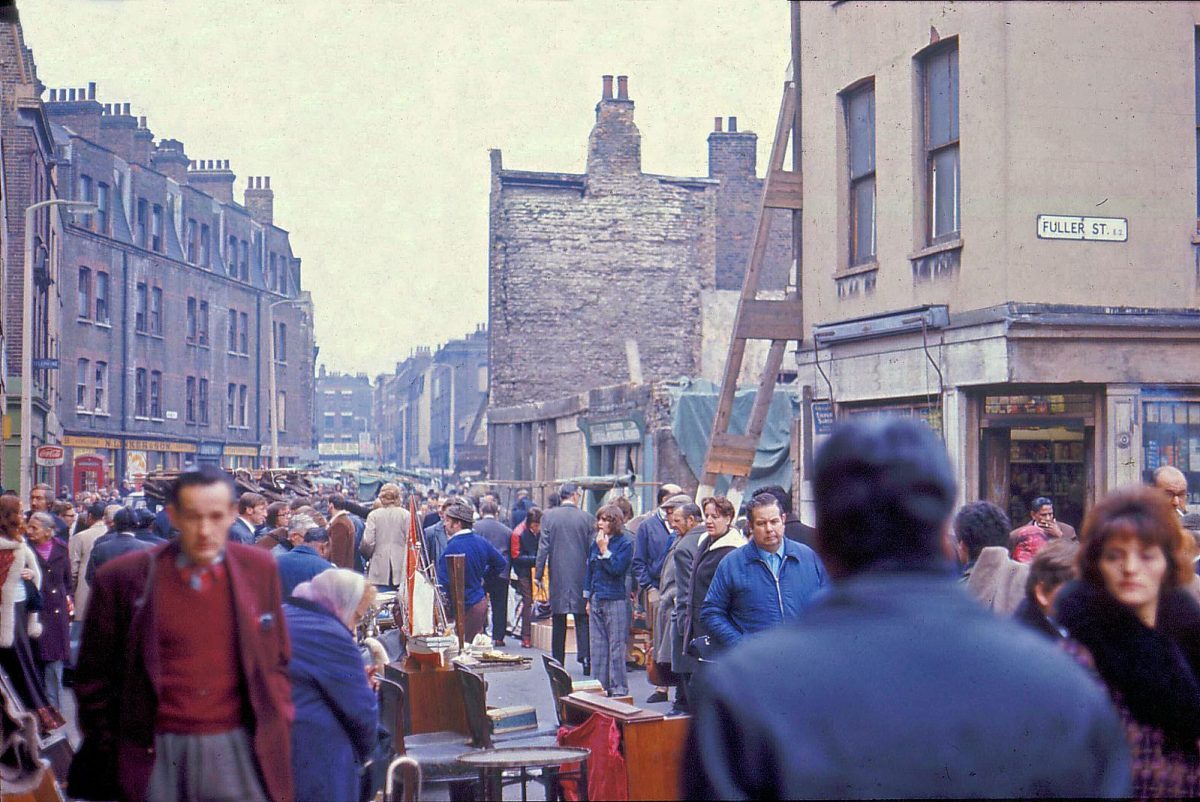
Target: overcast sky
(374,119)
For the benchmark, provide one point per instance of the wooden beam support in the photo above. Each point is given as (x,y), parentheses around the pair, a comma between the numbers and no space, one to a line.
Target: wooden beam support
(785,190)
(771,320)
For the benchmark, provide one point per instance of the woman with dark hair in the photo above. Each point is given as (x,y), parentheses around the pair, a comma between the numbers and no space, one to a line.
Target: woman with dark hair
(524,557)
(1129,618)
(609,608)
(720,539)
(19,577)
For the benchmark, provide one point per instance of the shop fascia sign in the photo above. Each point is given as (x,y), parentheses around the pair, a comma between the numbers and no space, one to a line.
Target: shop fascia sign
(628,429)
(1088,229)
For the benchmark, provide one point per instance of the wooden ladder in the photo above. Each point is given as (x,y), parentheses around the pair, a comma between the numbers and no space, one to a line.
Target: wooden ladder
(779,321)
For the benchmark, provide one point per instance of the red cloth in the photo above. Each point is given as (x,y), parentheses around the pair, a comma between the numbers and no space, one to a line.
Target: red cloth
(607,777)
(1026,542)
(199,688)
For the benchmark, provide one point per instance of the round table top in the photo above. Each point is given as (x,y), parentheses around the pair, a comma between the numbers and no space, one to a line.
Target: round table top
(515,757)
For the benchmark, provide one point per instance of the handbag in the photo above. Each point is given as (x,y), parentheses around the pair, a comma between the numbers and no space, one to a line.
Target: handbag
(33,597)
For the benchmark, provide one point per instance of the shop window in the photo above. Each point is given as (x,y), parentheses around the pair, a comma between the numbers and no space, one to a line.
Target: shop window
(1052,404)
(1171,436)
(928,411)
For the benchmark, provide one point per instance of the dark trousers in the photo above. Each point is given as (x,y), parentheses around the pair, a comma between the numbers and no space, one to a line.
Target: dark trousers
(497,591)
(526,590)
(558,637)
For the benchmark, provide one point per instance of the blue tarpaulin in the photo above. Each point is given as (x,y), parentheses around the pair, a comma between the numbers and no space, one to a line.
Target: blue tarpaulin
(692,411)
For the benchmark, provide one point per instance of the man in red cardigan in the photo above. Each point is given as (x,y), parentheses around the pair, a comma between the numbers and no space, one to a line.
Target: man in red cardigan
(182,677)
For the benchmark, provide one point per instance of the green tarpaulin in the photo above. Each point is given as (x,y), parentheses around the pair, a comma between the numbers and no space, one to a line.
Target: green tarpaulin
(692,414)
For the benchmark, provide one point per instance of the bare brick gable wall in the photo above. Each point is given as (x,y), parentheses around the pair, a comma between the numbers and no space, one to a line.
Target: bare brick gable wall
(581,262)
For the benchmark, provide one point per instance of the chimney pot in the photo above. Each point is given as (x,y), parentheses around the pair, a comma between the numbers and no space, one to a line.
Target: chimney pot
(53,95)
(622,87)
(606,81)
(82,93)
(227,164)
(717,124)
(268,186)
(125,109)
(91,90)
(733,125)
(141,122)
(72,91)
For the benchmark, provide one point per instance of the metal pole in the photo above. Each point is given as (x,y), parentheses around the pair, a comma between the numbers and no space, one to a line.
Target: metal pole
(26,467)
(27,357)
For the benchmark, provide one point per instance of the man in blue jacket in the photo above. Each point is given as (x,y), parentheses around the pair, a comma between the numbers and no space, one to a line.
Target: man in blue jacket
(483,563)
(895,683)
(764,583)
(304,561)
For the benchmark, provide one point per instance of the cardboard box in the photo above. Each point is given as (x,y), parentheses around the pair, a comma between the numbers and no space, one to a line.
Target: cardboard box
(542,635)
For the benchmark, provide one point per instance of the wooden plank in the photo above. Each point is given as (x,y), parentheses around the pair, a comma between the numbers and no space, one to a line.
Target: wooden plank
(730,454)
(785,190)
(771,320)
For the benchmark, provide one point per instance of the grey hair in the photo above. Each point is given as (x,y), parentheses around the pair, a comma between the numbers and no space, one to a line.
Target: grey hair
(111,511)
(300,523)
(338,590)
(43,519)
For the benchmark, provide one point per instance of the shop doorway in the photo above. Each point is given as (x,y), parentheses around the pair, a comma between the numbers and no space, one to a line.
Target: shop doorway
(1035,446)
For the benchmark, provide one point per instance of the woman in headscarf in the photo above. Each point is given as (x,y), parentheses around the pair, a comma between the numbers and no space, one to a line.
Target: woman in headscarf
(53,647)
(336,713)
(1129,618)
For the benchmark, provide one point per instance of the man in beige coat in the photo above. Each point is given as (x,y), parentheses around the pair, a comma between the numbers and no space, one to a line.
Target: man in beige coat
(385,540)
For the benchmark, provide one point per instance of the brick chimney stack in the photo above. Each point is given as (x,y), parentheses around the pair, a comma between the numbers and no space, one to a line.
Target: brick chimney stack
(615,144)
(214,178)
(77,109)
(143,143)
(730,152)
(260,200)
(117,125)
(170,159)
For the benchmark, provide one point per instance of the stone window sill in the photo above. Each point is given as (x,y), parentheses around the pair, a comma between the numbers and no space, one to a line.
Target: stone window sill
(932,250)
(857,270)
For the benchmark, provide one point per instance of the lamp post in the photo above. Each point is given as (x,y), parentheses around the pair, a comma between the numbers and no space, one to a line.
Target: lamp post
(27,337)
(271,375)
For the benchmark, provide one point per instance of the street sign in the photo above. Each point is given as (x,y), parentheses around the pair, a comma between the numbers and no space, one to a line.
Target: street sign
(45,363)
(49,456)
(1092,229)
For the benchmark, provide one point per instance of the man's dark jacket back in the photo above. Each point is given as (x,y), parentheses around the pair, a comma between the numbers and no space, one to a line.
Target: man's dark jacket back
(900,685)
(118,671)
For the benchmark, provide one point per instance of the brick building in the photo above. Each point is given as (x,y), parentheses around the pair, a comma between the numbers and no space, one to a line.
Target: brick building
(612,277)
(431,395)
(171,290)
(345,418)
(27,164)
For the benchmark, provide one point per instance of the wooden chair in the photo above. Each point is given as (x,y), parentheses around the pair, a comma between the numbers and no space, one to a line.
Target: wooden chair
(482,735)
(560,685)
(435,752)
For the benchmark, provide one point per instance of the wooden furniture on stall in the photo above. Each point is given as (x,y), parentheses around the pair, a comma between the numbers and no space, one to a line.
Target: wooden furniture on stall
(652,744)
(492,763)
(433,698)
(436,753)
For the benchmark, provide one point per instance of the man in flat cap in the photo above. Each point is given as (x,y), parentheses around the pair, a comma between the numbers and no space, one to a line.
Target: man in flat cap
(483,563)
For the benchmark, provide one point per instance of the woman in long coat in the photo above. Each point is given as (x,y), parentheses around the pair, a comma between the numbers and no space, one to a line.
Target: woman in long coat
(334,730)
(52,648)
(1129,619)
(385,540)
(722,539)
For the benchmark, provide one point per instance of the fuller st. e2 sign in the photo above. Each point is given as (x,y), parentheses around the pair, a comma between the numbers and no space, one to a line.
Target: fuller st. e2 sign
(1093,229)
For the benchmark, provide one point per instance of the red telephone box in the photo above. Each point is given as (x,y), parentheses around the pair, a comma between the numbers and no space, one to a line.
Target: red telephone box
(88,473)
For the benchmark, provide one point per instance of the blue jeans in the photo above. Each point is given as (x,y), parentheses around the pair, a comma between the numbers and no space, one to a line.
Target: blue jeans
(610,620)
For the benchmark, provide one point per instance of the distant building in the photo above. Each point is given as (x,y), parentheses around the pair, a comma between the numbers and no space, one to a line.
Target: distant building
(345,418)
(171,289)
(431,410)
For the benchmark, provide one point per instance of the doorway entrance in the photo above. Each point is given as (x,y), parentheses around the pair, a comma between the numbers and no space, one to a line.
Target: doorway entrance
(1038,445)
